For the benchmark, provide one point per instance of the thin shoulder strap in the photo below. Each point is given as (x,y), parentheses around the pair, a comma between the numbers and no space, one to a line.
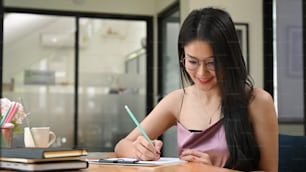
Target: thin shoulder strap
(179,113)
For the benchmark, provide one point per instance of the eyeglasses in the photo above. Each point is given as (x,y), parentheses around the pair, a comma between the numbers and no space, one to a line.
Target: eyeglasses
(193,64)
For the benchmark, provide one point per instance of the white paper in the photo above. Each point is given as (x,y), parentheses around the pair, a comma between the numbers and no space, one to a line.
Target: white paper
(132,161)
(162,160)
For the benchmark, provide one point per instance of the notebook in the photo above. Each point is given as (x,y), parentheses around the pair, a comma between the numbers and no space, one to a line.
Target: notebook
(38,153)
(37,160)
(44,166)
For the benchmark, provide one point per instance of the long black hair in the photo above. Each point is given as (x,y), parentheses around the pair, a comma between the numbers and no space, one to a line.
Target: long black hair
(216,27)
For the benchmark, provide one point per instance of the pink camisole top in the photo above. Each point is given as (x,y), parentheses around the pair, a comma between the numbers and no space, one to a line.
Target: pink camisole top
(211,141)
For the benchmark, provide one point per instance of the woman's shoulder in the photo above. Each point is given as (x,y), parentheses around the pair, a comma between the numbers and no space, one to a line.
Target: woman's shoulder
(261,104)
(261,96)
(170,103)
(175,94)
(175,97)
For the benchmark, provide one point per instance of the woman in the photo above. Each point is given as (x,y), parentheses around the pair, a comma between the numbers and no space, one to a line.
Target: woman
(221,118)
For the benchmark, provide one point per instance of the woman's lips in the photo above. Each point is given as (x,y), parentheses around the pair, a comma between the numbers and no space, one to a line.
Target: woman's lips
(204,81)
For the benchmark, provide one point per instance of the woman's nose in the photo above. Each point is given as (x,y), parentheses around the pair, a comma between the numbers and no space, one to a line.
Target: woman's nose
(202,69)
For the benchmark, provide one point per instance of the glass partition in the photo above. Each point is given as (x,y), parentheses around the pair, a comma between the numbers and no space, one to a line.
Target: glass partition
(38,66)
(112,74)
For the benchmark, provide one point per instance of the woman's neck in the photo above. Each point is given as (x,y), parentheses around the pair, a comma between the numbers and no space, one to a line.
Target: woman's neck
(212,95)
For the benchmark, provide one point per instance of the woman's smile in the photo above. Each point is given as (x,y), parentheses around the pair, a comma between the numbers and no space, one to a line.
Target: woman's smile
(204,81)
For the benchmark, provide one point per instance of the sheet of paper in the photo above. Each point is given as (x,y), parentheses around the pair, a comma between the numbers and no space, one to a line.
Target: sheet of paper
(162,160)
(132,161)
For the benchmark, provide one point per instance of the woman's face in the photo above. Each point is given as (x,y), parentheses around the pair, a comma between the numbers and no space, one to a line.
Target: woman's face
(199,64)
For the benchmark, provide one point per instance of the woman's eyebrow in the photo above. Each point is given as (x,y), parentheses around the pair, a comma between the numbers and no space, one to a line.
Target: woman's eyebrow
(196,57)
(191,56)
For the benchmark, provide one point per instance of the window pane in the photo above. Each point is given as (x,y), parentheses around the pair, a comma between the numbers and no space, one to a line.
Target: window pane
(38,65)
(289,55)
(112,74)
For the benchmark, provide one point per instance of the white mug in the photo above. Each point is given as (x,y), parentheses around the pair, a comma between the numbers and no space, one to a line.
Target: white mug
(40,137)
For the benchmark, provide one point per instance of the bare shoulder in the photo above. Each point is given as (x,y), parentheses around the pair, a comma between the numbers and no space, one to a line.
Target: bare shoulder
(175,95)
(261,96)
(261,105)
(171,103)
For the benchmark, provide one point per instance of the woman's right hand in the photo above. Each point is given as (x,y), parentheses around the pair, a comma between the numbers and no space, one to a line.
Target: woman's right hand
(146,151)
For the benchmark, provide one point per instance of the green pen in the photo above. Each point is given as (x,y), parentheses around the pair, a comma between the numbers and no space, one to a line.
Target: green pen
(138,125)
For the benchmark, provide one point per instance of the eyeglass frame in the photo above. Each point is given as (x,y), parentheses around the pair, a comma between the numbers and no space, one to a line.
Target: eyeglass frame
(198,63)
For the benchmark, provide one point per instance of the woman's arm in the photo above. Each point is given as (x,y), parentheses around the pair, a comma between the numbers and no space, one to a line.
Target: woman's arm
(264,119)
(162,117)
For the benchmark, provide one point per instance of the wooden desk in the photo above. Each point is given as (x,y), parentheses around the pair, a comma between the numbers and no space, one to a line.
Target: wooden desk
(182,167)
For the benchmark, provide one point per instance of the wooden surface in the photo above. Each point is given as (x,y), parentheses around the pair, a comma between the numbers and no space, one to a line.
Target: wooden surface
(180,167)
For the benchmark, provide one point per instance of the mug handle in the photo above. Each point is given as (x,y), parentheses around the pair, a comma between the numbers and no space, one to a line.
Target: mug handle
(52,137)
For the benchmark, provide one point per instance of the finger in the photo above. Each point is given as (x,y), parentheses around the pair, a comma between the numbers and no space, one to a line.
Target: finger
(147,155)
(157,145)
(187,152)
(192,158)
(144,150)
(194,153)
(151,152)
(196,156)
(187,157)
(204,160)
(149,146)
(139,148)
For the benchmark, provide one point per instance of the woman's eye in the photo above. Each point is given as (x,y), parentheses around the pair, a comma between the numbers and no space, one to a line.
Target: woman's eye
(210,63)
(193,62)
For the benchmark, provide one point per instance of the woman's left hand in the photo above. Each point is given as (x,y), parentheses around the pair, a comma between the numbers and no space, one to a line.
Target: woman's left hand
(195,156)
